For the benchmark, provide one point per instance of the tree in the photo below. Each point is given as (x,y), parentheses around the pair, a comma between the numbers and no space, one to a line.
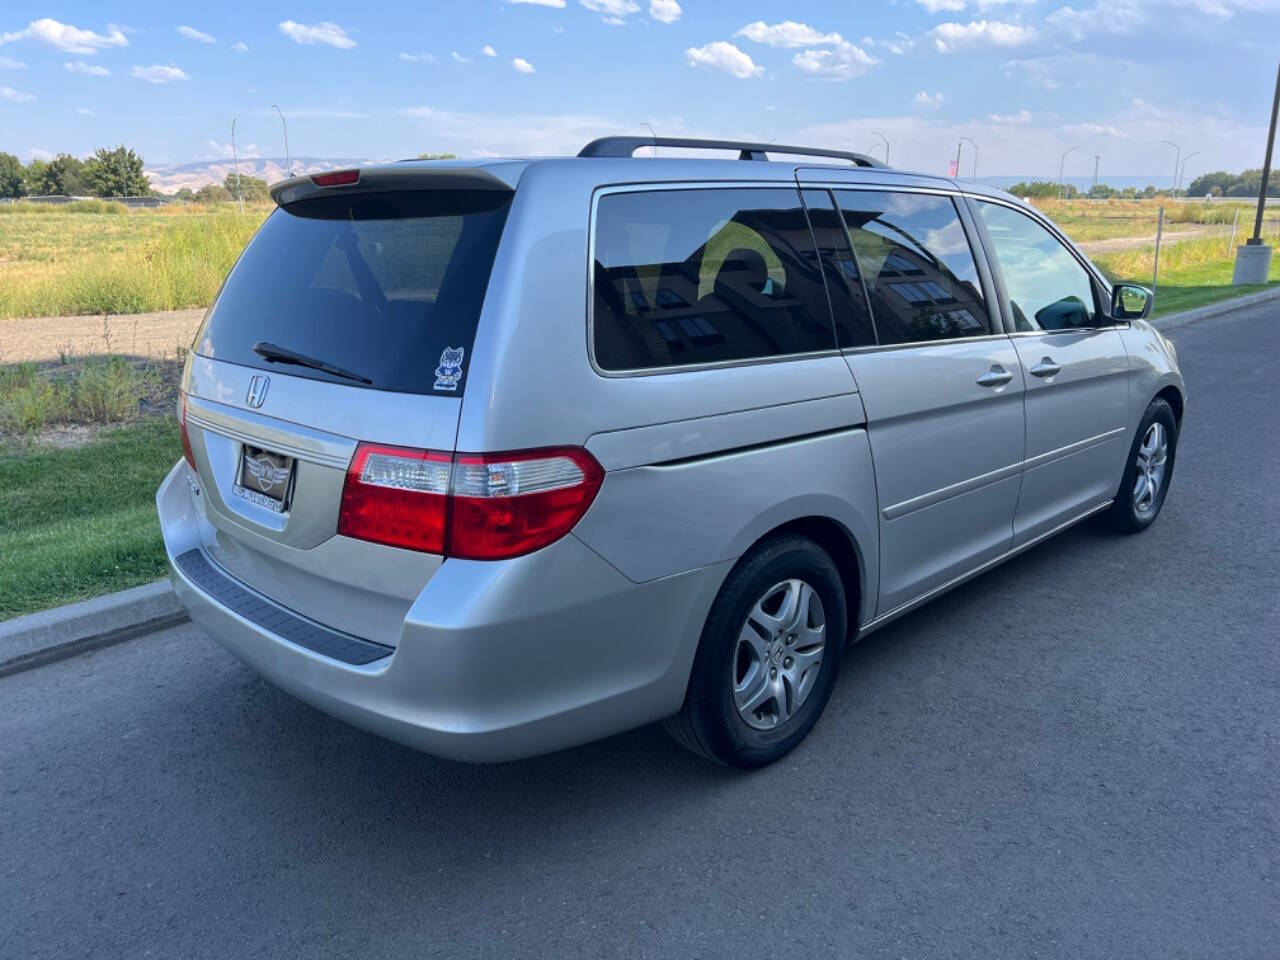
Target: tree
(437,156)
(33,178)
(212,193)
(186,195)
(61,176)
(116,173)
(11,176)
(1042,188)
(251,189)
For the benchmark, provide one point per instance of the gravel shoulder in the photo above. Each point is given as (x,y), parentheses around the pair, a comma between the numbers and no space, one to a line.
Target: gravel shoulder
(42,339)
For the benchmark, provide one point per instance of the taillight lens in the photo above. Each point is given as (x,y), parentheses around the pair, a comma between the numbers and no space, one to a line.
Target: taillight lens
(182,429)
(396,496)
(472,506)
(340,178)
(508,504)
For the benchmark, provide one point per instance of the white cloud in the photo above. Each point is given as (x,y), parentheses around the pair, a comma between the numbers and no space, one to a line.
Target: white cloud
(614,12)
(980,34)
(8,63)
(488,51)
(459,58)
(10,95)
(67,38)
(521,134)
(522,65)
(35,153)
(665,11)
(937,6)
(227,152)
(418,57)
(88,69)
(1120,17)
(722,55)
(1095,130)
(1022,116)
(788,33)
(158,73)
(840,63)
(240,47)
(84,111)
(191,33)
(558,4)
(323,32)
(929,101)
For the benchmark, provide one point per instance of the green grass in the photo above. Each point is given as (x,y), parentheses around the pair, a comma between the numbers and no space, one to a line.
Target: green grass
(77,523)
(1193,273)
(96,257)
(91,390)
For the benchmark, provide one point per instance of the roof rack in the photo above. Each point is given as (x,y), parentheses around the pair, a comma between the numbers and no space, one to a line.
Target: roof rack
(626,146)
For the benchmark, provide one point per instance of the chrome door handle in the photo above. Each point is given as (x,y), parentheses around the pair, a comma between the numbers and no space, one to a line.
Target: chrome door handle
(1046,368)
(997,376)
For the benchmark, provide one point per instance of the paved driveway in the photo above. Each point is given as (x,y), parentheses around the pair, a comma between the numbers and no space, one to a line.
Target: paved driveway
(1077,755)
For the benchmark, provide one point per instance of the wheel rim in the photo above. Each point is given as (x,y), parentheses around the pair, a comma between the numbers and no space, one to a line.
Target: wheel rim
(779,654)
(1149,468)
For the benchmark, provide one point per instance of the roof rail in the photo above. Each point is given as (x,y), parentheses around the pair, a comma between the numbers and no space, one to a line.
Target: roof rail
(626,146)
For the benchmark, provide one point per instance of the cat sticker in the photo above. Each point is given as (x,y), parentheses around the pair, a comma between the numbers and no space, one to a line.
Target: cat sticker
(450,370)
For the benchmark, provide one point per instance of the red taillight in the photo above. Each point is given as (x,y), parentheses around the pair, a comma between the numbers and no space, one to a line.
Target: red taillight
(182,429)
(506,504)
(339,178)
(396,496)
(472,506)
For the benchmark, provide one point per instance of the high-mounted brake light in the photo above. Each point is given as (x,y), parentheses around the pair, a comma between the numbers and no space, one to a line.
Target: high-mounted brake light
(182,430)
(473,506)
(339,178)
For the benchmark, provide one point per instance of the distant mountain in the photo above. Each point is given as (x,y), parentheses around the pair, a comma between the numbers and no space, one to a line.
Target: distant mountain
(170,178)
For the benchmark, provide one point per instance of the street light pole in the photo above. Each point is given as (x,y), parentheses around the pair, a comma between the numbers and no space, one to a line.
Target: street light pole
(975,160)
(1062,166)
(1097,159)
(877,133)
(1177,159)
(959,145)
(1183,175)
(1266,166)
(288,159)
(1253,260)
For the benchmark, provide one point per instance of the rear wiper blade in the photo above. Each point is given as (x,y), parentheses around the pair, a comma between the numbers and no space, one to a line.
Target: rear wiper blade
(275,354)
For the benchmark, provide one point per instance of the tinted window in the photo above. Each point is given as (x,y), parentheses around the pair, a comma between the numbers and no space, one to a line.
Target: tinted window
(378,284)
(705,276)
(1048,288)
(916,264)
(844,285)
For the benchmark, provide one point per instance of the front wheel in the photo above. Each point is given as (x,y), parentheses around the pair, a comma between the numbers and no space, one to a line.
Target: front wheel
(767,659)
(1148,472)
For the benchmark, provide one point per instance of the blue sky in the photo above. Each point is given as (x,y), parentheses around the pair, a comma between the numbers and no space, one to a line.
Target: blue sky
(1024,79)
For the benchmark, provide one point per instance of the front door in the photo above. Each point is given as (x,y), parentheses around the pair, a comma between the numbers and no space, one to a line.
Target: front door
(1076,374)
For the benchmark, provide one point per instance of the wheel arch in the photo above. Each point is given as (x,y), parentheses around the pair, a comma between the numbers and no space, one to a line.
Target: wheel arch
(1173,396)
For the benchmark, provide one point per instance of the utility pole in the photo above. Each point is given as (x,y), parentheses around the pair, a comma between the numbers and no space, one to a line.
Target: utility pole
(288,159)
(235,158)
(1177,159)
(1097,158)
(1253,260)
(1062,166)
(975,160)
(1183,175)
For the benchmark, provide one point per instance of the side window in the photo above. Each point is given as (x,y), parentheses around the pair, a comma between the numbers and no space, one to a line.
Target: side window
(704,276)
(1048,288)
(917,266)
(844,285)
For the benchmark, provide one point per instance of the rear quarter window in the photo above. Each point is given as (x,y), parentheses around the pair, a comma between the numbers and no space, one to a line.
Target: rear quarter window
(685,277)
(386,285)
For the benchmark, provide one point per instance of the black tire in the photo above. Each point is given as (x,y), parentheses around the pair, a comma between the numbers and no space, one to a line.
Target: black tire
(1125,515)
(709,722)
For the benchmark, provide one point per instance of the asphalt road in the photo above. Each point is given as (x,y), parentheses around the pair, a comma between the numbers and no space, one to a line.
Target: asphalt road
(1077,755)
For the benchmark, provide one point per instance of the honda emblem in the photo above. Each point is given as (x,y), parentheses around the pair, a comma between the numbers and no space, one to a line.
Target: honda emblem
(257,390)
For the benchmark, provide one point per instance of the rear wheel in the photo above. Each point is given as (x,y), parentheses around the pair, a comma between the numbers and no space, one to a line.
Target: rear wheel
(1149,471)
(768,656)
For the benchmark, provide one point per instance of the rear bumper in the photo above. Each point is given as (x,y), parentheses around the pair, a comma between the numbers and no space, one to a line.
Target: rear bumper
(496,660)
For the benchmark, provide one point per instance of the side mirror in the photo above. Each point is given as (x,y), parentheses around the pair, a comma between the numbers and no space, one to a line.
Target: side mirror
(1130,302)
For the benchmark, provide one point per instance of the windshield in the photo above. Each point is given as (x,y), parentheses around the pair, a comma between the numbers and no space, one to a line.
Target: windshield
(386,284)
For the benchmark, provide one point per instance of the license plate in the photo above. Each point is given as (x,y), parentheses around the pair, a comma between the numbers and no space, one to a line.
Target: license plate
(264,478)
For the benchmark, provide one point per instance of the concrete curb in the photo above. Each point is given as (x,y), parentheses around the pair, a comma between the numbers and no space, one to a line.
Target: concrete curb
(1175,320)
(40,638)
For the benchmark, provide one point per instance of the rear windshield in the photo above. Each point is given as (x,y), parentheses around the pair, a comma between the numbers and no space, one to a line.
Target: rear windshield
(386,287)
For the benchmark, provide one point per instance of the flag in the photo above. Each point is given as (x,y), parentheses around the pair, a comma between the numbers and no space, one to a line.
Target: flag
(951,169)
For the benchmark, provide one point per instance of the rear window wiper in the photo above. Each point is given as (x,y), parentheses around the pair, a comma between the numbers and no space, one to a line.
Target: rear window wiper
(275,354)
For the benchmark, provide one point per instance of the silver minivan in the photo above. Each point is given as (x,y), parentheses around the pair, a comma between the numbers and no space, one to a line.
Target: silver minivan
(497,457)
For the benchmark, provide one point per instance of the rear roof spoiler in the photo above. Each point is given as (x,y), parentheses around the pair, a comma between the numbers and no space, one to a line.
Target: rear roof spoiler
(398,176)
